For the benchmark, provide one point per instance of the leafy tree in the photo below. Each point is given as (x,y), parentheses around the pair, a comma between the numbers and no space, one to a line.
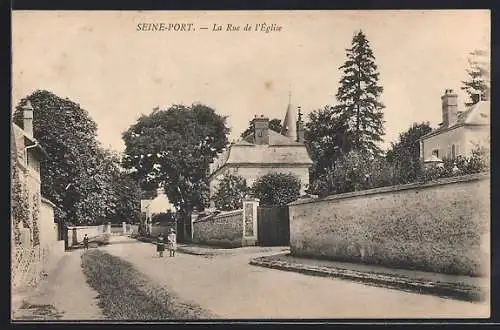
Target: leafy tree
(404,155)
(174,148)
(230,192)
(325,139)
(70,176)
(274,124)
(478,82)
(81,178)
(358,97)
(277,189)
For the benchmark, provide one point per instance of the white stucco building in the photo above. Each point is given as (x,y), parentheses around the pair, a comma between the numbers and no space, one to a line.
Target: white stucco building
(265,151)
(460,131)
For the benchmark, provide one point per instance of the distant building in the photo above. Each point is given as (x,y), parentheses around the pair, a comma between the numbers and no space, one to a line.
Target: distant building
(459,132)
(265,151)
(158,203)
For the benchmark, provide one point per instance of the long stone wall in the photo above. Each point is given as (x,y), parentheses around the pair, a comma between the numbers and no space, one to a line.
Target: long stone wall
(441,226)
(224,229)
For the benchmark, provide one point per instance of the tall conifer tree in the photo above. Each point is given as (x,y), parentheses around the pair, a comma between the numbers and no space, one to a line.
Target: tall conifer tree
(358,97)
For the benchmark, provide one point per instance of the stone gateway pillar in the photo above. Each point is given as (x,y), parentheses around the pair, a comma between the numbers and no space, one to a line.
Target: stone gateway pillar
(250,206)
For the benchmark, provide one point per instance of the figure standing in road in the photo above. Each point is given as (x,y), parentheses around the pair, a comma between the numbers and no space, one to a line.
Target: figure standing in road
(172,242)
(85,242)
(160,245)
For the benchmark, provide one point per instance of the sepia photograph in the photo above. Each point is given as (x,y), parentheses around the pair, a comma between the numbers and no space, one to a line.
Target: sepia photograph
(183,166)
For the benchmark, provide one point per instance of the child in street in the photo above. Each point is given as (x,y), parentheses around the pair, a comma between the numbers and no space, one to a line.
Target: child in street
(160,245)
(172,242)
(85,242)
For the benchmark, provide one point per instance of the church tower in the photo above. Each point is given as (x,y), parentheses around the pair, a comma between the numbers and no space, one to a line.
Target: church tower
(290,122)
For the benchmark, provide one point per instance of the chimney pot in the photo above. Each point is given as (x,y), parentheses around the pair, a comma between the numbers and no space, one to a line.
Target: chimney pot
(28,119)
(261,130)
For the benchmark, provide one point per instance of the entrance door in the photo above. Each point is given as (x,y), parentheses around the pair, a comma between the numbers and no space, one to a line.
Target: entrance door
(273,226)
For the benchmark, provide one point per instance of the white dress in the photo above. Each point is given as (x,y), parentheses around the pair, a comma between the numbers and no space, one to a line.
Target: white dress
(172,241)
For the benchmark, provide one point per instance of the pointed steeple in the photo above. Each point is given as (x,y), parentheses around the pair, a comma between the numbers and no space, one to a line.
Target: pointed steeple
(290,122)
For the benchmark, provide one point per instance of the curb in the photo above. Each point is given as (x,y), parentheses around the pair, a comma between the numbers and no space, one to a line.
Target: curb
(458,291)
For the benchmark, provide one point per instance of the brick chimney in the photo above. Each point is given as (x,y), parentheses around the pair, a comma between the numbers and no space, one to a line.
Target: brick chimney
(449,103)
(28,119)
(261,130)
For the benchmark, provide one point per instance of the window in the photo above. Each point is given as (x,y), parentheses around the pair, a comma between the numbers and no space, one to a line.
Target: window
(453,151)
(435,152)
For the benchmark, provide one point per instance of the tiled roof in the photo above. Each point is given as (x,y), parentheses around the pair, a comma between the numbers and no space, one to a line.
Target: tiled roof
(281,150)
(275,139)
(476,114)
(242,154)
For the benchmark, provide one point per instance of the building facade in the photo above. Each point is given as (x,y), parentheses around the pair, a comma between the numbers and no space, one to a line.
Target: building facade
(265,151)
(28,155)
(460,132)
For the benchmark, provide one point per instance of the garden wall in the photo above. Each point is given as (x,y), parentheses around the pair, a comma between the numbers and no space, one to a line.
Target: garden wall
(441,226)
(49,231)
(224,229)
(76,234)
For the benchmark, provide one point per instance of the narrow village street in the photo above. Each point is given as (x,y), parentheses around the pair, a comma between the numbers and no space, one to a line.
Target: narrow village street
(231,288)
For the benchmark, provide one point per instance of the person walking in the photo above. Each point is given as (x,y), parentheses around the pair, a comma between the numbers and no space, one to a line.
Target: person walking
(172,242)
(160,245)
(85,242)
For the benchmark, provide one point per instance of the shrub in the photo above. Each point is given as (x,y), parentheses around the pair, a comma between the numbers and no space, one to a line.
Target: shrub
(461,165)
(352,172)
(162,217)
(230,193)
(277,189)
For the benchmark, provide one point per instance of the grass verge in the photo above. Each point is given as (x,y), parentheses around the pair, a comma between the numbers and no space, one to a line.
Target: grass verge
(126,294)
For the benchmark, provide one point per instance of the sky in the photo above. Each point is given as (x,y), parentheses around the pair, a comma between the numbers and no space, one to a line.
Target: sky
(116,73)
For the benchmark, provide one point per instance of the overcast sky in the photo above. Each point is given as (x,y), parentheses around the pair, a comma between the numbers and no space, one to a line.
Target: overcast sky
(99,60)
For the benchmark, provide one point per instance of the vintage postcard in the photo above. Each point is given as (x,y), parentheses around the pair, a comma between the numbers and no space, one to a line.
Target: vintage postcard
(214,165)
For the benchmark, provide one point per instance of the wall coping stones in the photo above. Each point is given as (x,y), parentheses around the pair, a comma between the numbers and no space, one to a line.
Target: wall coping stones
(389,189)
(218,215)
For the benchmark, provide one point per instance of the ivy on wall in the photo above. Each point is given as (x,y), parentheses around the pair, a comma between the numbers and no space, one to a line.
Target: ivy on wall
(36,217)
(19,197)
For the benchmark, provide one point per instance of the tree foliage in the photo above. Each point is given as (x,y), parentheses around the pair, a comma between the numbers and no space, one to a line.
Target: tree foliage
(325,138)
(174,148)
(68,135)
(353,172)
(277,189)
(404,155)
(274,124)
(478,82)
(79,176)
(477,162)
(358,97)
(230,192)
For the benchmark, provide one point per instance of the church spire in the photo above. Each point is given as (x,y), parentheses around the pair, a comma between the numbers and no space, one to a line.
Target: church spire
(289,123)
